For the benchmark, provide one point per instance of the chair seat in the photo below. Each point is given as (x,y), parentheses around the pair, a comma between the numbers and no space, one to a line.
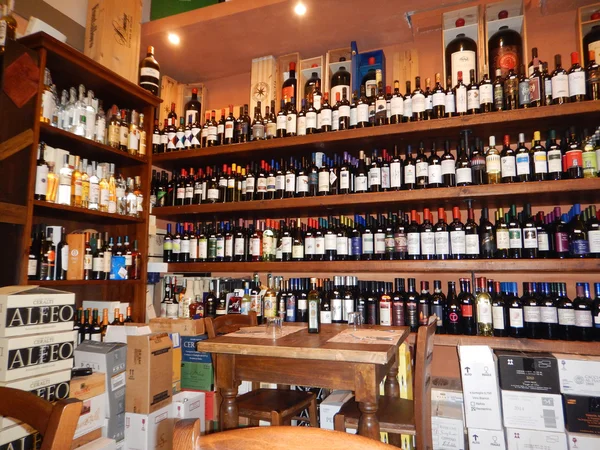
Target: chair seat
(396,415)
(259,403)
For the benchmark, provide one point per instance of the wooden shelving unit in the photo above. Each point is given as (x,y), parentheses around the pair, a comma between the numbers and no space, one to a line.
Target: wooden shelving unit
(21,134)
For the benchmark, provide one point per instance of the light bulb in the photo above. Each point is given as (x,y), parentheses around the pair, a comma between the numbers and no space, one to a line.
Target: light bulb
(300,9)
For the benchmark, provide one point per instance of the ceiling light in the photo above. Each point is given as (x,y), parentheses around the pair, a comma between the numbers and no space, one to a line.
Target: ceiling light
(174,39)
(300,9)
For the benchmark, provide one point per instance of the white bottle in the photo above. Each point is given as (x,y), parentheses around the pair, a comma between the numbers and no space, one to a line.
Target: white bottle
(64,183)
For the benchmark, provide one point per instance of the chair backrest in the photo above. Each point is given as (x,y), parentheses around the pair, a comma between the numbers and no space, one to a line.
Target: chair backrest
(187,434)
(229,323)
(286,438)
(422,392)
(56,423)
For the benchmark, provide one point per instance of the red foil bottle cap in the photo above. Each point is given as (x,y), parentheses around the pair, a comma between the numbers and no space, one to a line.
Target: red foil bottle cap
(503,14)
(460,22)
(371,60)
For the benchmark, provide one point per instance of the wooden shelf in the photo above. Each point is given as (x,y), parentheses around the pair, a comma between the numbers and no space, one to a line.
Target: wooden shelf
(71,68)
(53,210)
(493,195)
(508,343)
(86,148)
(503,122)
(462,266)
(60,283)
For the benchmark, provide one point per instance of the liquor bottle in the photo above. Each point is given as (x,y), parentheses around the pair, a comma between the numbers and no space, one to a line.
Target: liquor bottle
(493,166)
(62,257)
(464,169)
(434,169)
(483,304)
(582,304)
(472,245)
(498,87)
(508,162)
(454,320)
(41,175)
(573,156)
(500,319)
(438,307)
(418,101)
(325,313)
(516,326)
(150,72)
(398,303)
(505,48)
(536,81)
(270,299)
(424,304)
(578,240)
(467,308)
(567,329)
(560,83)
(343,111)
(592,79)
(289,86)
(486,93)
(340,80)
(8,25)
(438,99)
(427,236)
(540,158)
(590,163)
(461,55)
(258,127)
(577,80)
(422,168)
(532,311)
(502,236)
(473,100)
(442,237)
(450,101)
(522,160)
(407,111)
(291,117)
(412,317)
(460,92)
(524,86)
(593,232)
(511,90)
(515,234)
(314,307)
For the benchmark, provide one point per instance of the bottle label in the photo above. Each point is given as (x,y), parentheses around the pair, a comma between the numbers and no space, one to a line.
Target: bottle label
(442,244)
(484,313)
(298,252)
(554,161)
(530,238)
(41,180)
(461,99)
(498,97)
(540,162)
(290,182)
(341,245)
(516,317)
(583,319)
(418,103)
(367,244)
(458,242)
(422,169)
(438,99)
(87,262)
(325,118)
(450,103)
(32,267)
(532,314)
(535,93)
(462,61)
(385,314)
(594,241)
(385,177)
(325,316)
(356,246)
(466,310)
(309,246)
(502,239)
(311,120)
(360,183)
(428,243)
(353,116)
(362,113)
(261,185)
(413,244)
(543,242)
(323,182)
(434,174)
(150,72)
(574,158)
(286,244)
(472,244)
(486,94)
(335,120)
(344,111)
(409,174)
(281,122)
(302,183)
(524,94)
(212,194)
(560,86)
(400,242)
(239,247)
(509,168)
(395,175)
(590,163)
(580,247)
(448,167)
(330,242)
(271,184)
(522,163)
(492,164)
(408,107)
(566,316)
(514,238)
(561,242)
(397,106)
(375,176)
(291,123)
(548,314)
(464,175)
(577,83)
(202,249)
(473,99)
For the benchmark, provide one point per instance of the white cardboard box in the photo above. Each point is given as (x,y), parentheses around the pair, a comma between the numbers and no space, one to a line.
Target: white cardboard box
(189,405)
(92,415)
(31,309)
(482,439)
(533,411)
(579,375)
(100,444)
(149,431)
(20,437)
(448,434)
(331,406)
(447,390)
(28,356)
(480,387)
(518,439)
(580,441)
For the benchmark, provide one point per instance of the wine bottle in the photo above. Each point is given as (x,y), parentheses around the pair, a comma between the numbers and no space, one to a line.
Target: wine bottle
(150,72)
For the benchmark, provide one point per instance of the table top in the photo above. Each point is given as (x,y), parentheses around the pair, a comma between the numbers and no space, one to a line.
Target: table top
(305,345)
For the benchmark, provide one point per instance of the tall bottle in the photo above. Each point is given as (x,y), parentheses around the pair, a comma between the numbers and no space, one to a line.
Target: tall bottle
(150,72)
(483,306)
(505,48)
(461,55)
(314,307)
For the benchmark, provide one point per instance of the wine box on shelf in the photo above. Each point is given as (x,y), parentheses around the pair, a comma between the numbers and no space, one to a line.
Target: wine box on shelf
(306,71)
(113,35)
(333,64)
(283,67)
(585,23)
(361,66)
(172,91)
(264,85)
(405,66)
(472,29)
(514,21)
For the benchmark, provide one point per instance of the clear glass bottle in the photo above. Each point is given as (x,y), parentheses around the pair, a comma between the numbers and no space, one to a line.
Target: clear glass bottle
(90,115)
(64,183)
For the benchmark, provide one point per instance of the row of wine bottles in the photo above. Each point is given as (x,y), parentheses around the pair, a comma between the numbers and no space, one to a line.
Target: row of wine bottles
(575,157)
(392,237)
(542,311)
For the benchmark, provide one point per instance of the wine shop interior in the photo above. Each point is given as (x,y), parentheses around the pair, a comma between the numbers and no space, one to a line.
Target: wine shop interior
(290,224)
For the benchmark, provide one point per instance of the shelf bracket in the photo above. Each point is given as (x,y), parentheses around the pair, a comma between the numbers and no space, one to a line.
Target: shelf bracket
(16,143)
(11,213)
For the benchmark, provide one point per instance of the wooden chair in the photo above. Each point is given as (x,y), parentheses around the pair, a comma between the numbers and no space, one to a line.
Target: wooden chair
(277,406)
(272,438)
(400,416)
(56,423)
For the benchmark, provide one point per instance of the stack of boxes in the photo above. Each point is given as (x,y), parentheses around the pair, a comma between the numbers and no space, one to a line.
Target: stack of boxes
(37,342)
(447,414)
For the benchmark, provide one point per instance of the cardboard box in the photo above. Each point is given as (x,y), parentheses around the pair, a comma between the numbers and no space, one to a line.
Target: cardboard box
(579,375)
(448,426)
(30,309)
(149,431)
(197,376)
(92,415)
(100,444)
(331,406)
(583,414)
(176,340)
(86,439)
(533,411)
(579,441)
(112,35)
(76,243)
(531,372)
(447,390)
(189,405)
(114,426)
(28,356)
(189,352)
(518,439)
(150,384)
(185,327)
(20,437)
(263,83)
(482,439)
(480,387)
(89,386)
(51,387)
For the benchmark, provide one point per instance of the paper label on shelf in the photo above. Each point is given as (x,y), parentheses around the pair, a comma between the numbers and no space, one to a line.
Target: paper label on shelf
(462,61)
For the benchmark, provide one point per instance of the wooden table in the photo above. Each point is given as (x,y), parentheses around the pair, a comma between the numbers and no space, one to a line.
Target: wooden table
(307,360)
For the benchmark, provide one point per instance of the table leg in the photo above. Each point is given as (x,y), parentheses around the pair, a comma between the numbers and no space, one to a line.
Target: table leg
(366,391)
(229,414)
(392,387)
(368,424)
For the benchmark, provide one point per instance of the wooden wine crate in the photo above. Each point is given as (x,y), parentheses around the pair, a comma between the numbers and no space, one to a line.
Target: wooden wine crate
(584,25)
(305,72)
(172,91)
(405,66)
(332,64)
(283,64)
(112,35)
(263,84)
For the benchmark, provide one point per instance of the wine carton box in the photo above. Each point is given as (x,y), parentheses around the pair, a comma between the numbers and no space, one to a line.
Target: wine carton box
(101,443)
(76,243)
(447,390)
(20,437)
(331,406)
(482,439)
(480,387)
(579,441)
(533,411)
(530,372)
(92,415)
(176,340)
(264,83)
(583,414)
(197,376)
(519,439)
(28,356)
(88,386)
(189,352)
(51,387)
(149,385)
(86,438)
(30,309)
(448,427)
(189,405)
(152,431)
(185,327)
(579,375)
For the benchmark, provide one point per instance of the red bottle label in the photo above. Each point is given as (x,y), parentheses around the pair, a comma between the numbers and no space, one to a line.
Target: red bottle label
(574,158)
(505,58)
(467,310)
